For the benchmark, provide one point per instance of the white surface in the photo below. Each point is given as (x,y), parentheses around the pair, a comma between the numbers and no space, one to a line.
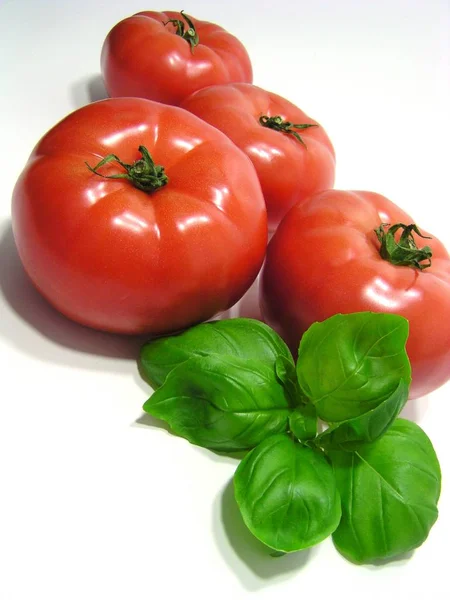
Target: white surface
(94,502)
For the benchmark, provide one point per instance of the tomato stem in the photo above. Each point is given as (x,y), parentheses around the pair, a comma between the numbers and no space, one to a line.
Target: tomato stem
(189,34)
(143,173)
(279,124)
(403,252)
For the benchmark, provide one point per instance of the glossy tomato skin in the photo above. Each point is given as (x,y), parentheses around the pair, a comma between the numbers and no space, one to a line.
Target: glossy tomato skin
(324,259)
(115,258)
(288,171)
(142,57)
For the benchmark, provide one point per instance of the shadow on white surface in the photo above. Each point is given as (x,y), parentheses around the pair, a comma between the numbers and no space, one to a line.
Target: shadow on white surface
(246,556)
(89,89)
(248,305)
(146,420)
(33,310)
(415,410)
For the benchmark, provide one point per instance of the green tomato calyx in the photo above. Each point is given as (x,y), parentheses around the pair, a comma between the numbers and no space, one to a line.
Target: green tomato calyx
(277,123)
(143,173)
(189,34)
(404,251)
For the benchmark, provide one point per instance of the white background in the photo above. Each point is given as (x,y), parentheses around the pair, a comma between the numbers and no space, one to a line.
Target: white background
(96,501)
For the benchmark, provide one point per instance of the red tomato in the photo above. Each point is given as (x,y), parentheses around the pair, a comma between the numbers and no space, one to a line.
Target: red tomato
(116,258)
(289,171)
(144,56)
(325,259)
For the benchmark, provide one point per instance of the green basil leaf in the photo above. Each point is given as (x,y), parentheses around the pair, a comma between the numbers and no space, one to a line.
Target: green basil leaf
(303,422)
(242,338)
(389,492)
(349,364)
(287,375)
(223,403)
(352,434)
(287,494)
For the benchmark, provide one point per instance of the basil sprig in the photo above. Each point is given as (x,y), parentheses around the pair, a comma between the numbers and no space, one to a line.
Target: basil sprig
(369,479)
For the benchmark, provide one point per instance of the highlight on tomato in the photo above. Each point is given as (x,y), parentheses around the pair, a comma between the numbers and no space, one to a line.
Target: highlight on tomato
(137,217)
(166,56)
(351,251)
(291,152)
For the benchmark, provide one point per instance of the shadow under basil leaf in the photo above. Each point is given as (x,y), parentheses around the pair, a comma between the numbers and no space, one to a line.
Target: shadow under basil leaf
(256,556)
(148,420)
(143,374)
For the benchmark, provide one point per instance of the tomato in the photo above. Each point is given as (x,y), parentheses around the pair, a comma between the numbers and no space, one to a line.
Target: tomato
(147,56)
(292,162)
(116,258)
(325,259)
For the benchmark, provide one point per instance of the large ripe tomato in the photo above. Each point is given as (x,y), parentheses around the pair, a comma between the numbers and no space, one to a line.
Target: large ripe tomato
(325,259)
(159,56)
(117,258)
(293,160)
